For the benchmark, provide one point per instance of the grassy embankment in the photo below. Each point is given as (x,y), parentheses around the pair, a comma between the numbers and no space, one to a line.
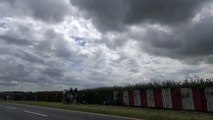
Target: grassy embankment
(141,113)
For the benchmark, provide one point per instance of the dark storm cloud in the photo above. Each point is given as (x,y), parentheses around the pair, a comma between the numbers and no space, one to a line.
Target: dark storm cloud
(27,59)
(12,70)
(45,10)
(115,14)
(30,57)
(106,15)
(55,43)
(12,40)
(6,83)
(19,42)
(53,72)
(210,59)
(192,41)
(35,53)
(162,11)
(23,61)
(18,34)
(6,79)
(188,41)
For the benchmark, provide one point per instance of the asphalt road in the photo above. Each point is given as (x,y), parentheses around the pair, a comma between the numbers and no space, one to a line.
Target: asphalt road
(10,111)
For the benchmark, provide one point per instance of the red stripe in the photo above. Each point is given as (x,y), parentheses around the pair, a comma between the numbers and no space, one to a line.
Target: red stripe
(131,98)
(158,98)
(121,102)
(199,99)
(176,99)
(143,98)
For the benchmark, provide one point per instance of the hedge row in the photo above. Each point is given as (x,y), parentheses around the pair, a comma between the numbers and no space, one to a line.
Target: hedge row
(54,96)
(104,95)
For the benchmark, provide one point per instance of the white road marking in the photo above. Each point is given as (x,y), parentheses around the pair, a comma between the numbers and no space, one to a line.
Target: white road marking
(58,109)
(43,115)
(11,108)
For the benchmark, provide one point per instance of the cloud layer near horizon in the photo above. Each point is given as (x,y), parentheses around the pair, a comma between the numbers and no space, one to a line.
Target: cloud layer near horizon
(53,44)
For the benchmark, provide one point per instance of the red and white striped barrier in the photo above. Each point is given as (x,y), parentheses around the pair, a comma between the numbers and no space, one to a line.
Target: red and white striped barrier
(198,99)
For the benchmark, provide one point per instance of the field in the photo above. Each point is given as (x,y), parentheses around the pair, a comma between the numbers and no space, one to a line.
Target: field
(141,113)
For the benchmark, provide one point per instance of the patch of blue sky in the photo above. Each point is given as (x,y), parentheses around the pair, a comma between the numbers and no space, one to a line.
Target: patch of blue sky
(78,67)
(3,24)
(79,40)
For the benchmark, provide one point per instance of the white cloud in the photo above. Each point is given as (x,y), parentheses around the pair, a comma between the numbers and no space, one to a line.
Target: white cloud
(40,53)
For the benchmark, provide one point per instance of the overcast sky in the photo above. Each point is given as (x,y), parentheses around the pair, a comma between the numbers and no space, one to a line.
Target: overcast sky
(57,44)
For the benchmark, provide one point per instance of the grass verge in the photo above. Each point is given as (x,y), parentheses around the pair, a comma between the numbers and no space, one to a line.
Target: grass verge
(141,113)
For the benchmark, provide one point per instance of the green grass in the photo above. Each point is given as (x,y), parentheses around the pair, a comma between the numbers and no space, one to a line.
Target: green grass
(142,113)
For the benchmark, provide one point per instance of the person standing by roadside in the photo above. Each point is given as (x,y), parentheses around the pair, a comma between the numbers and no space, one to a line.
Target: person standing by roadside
(75,95)
(71,97)
(64,98)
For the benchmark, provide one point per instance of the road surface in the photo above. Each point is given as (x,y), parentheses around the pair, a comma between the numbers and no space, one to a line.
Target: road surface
(10,111)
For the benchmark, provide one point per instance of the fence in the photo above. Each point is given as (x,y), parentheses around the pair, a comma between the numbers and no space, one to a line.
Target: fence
(196,99)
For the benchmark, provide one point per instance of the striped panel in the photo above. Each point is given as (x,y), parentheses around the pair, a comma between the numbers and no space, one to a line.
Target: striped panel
(199,99)
(209,98)
(150,98)
(116,97)
(125,98)
(137,98)
(187,98)
(158,98)
(166,96)
(131,98)
(120,101)
(143,98)
(176,99)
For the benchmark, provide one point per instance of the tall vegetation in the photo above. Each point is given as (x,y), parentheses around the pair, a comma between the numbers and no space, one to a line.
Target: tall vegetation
(104,95)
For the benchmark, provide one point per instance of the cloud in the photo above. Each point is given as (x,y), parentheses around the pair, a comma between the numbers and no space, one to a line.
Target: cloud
(107,15)
(52,44)
(50,11)
(115,15)
(182,32)
(53,72)
(3,24)
(12,40)
(23,62)
(41,56)
(189,42)
(162,11)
